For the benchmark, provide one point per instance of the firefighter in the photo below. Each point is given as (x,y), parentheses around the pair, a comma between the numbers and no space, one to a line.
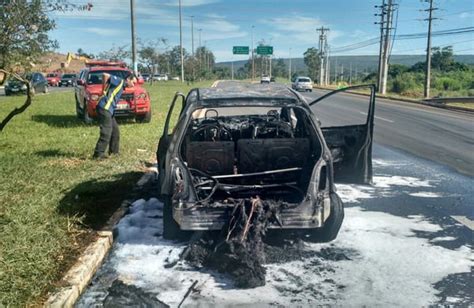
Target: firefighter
(112,88)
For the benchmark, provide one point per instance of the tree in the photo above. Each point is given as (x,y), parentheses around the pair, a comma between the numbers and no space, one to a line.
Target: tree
(442,58)
(116,53)
(24,26)
(395,70)
(311,59)
(149,54)
(81,53)
(279,69)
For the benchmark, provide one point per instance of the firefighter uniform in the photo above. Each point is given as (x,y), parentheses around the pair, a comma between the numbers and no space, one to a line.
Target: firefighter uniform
(109,130)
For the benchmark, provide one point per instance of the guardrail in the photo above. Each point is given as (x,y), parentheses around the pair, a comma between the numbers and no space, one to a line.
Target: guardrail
(444,100)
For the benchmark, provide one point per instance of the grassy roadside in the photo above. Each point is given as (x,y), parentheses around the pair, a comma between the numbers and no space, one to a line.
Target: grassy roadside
(52,194)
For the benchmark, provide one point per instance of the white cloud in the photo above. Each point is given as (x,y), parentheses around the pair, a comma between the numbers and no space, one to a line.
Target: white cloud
(103,31)
(301,28)
(190,3)
(465,15)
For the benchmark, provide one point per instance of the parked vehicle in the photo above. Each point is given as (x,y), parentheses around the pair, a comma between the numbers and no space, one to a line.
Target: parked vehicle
(302,84)
(53,79)
(38,84)
(68,80)
(259,146)
(146,77)
(135,101)
(160,77)
(265,79)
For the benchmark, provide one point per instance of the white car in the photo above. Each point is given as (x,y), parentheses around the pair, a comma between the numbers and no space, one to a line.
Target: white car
(160,77)
(302,84)
(265,79)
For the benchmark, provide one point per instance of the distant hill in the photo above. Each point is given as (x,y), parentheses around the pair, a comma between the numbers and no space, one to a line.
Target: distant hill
(52,62)
(359,63)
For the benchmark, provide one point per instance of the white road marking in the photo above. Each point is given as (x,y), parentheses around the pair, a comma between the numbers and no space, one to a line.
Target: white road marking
(380,118)
(465,221)
(214,85)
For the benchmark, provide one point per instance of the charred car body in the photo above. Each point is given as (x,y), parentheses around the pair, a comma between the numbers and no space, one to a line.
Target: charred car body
(257,143)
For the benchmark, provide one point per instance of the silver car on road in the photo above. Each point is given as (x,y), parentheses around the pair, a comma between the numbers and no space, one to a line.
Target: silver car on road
(302,84)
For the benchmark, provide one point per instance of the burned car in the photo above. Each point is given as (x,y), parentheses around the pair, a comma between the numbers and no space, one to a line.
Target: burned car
(263,146)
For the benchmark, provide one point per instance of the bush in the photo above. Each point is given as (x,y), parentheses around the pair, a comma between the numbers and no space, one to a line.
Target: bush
(404,83)
(447,84)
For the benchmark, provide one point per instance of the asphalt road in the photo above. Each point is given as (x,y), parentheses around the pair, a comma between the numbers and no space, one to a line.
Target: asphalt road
(50,89)
(405,241)
(436,134)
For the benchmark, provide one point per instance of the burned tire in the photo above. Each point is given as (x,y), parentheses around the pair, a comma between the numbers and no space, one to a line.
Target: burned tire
(145,118)
(171,230)
(332,225)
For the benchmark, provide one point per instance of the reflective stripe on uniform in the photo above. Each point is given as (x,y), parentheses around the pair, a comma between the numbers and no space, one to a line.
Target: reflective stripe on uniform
(112,96)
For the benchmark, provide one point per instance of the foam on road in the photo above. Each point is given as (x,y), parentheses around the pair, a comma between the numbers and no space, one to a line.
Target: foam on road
(397,247)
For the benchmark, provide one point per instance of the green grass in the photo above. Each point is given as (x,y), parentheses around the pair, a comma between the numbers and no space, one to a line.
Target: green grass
(52,194)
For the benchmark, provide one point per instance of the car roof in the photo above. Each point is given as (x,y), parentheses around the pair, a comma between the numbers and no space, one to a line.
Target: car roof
(245,91)
(108,68)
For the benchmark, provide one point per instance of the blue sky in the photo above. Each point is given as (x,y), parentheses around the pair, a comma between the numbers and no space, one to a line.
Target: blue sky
(284,24)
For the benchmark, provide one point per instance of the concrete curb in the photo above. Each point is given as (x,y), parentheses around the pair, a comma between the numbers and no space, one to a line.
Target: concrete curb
(81,273)
(408,100)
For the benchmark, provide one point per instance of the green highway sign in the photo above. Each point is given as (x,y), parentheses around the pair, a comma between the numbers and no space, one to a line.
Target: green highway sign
(265,50)
(241,50)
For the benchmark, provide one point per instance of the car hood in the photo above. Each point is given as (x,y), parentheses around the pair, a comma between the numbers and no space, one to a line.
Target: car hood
(97,89)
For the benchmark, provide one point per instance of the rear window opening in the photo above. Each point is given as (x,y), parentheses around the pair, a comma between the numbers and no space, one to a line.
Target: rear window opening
(239,152)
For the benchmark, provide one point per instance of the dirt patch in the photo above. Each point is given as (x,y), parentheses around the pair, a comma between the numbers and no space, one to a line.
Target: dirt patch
(123,295)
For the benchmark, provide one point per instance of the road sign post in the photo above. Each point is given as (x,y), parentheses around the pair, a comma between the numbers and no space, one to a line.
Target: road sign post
(265,50)
(240,50)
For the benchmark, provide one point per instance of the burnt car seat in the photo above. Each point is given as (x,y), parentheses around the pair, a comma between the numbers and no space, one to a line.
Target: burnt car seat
(211,157)
(255,155)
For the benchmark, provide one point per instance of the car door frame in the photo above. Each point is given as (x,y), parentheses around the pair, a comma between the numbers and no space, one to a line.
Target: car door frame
(362,164)
(165,139)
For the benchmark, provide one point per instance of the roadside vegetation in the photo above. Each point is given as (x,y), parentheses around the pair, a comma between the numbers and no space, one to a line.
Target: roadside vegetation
(53,195)
(448,77)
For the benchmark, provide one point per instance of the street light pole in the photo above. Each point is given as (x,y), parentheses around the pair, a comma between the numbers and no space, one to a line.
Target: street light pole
(253,58)
(289,69)
(192,35)
(181,43)
(134,47)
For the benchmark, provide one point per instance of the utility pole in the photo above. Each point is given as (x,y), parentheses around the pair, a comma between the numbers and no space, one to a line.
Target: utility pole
(181,43)
(134,46)
(350,73)
(192,35)
(232,69)
(322,53)
(253,58)
(200,30)
(327,71)
(335,71)
(289,66)
(342,71)
(386,47)
(428,50)
(382,24)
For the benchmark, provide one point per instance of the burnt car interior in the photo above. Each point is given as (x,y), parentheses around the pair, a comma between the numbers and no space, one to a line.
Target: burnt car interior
(240,152)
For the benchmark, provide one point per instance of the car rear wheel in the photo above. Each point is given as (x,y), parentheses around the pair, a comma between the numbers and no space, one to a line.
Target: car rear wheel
(332,225)
(144,118)
(171,230)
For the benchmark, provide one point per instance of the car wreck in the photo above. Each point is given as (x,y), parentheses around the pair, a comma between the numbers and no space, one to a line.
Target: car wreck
(255,148)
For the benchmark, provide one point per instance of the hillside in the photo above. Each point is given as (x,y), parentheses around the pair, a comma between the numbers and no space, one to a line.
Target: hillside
(359,63)
(52,62)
